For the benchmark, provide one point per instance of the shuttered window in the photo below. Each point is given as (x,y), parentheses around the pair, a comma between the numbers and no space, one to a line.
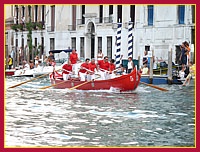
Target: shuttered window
(150,15)
(181,14)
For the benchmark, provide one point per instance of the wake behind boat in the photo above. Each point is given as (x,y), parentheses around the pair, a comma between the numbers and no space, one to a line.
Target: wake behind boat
(123,83)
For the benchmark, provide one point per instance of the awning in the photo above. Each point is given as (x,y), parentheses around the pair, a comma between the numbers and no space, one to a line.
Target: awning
(58,51)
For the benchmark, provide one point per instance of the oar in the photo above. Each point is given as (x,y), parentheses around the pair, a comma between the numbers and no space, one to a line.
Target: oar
(153,86)
(82,83)
(45,87)
(28,80)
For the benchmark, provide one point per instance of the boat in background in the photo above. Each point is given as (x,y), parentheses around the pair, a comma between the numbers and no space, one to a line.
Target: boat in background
(160,79)
(122,83)
(41,70)
(10,72)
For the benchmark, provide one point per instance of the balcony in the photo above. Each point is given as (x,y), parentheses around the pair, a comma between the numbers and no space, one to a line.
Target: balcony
(71,27)
(99,20)
(50,28)
(80,21)
(108,19)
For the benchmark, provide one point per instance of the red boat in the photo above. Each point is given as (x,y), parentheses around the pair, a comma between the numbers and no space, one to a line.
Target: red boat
(123,83)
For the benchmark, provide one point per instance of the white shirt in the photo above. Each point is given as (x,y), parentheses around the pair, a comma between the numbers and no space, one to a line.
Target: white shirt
(130,65)
(100,58)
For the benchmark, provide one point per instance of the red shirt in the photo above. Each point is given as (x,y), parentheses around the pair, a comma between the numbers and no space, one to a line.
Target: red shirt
(92,66)
(53,63)
(67,67)
(84,65)
(111,67)
(103,65)
(73,58)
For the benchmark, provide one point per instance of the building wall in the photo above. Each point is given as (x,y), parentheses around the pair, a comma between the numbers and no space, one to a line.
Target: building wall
(165,33)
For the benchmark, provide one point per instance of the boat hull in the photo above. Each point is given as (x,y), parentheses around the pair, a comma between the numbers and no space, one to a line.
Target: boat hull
(123,83)
(9,72)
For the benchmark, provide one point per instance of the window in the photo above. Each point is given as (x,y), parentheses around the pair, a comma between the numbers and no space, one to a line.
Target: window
(82,48)
(100,13)
(193,13)
(52,17)
(42,48)
(83,13)
(43,14)
(73,42)
(147,48)
(110,9)
(17,14)
(110,13)
(36,50)
(36,13)
(150,15)
(29,12)
(73,17)
(52,44)
(109,47)
(23,11)
(119,13)
(132,14)
(181,14)
(99,43)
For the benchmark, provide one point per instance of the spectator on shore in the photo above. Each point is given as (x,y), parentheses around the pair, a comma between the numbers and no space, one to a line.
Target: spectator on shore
(10,62)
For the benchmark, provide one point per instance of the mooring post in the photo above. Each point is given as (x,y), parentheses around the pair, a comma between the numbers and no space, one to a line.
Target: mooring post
(170,67)
(151,68)
(138,62)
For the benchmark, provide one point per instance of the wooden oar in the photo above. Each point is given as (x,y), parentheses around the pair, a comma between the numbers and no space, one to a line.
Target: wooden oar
(153,86)
(45,87)
(82,83)
(28,81)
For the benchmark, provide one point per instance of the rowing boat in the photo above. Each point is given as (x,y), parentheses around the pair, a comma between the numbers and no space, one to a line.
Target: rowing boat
(123,83)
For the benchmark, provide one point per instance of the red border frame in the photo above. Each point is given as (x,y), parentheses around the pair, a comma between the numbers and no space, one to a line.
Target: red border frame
(2,149)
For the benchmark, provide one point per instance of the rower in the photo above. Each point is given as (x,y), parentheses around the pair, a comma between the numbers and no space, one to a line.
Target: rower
(67,70)
(104,67)
(111,70)
(91,71)
(83,72)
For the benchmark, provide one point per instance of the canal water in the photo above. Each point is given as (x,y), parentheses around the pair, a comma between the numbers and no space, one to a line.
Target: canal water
(53,117)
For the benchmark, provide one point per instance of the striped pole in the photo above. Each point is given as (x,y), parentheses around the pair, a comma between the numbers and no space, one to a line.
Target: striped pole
(130,39)
(118,54)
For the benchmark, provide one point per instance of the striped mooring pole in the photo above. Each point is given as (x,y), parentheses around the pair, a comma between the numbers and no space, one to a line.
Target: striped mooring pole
(118,54)
(130,39)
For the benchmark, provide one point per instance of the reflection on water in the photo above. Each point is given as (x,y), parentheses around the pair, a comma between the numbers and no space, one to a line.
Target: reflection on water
(145,117)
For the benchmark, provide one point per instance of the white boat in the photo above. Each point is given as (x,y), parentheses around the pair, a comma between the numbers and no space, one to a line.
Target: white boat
(41,70)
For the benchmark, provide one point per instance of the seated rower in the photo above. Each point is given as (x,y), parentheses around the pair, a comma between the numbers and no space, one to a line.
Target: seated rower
(120,70)
(111,69)
(104,67)
(83,70)
(91,71)
(67,70)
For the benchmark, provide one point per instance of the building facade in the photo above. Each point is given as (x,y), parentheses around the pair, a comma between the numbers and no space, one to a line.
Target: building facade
(88,28)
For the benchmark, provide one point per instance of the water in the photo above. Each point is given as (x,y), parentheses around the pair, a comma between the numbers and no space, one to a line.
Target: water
(145,117)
